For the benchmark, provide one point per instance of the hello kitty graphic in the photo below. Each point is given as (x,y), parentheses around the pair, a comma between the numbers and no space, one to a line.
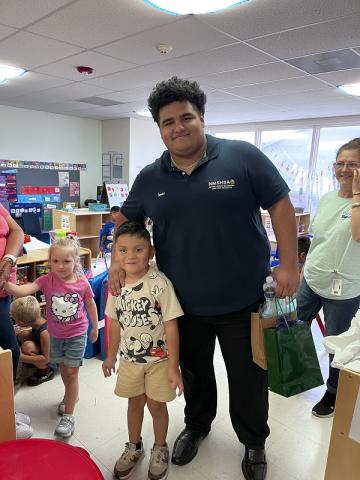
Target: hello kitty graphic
(65,307)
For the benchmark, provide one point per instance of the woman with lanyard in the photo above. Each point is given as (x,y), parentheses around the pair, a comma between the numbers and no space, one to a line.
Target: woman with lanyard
(332,269)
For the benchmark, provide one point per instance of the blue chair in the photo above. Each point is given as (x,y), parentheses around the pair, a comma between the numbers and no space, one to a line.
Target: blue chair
(31,222)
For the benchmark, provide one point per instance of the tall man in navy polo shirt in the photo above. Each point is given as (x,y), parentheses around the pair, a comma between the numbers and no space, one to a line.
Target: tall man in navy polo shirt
(204,196)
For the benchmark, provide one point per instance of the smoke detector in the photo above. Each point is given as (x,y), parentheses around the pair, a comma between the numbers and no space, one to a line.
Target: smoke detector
(84,70)
(164,49)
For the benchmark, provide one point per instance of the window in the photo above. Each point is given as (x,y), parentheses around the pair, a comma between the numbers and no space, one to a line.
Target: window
(289,150)
(245,136)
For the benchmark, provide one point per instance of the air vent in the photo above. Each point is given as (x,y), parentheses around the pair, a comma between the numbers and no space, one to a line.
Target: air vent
(327,62)
(103,102)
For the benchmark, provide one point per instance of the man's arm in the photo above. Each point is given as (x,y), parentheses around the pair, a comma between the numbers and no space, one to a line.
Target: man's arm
(116,274)
(109,363)
(172,340)
(284,224)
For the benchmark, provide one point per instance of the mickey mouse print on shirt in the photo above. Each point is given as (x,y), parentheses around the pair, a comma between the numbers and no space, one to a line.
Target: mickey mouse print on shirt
(65,307)
(141,309)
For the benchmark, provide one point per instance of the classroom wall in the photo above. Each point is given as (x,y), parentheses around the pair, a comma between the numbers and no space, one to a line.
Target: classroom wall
(116,138)
(41,136)
(145,145)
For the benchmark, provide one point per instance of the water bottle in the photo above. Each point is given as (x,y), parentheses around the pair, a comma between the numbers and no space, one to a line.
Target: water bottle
(268,308)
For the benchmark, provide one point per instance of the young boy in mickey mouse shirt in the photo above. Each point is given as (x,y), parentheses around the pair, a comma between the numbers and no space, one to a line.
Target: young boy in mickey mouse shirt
(144,326)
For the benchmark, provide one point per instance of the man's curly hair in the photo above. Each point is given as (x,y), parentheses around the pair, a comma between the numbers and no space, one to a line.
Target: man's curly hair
(175,90)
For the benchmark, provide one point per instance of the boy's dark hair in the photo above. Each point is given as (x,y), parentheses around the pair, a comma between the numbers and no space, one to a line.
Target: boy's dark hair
(115,209)
(175,90)
(303,244)
(132,228)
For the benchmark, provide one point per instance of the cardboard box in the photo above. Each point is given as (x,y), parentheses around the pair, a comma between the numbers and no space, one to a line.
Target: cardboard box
(344,452)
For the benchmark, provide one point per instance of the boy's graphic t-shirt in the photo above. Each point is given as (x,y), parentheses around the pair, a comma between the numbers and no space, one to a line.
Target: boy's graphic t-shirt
(141,310)
(65,310)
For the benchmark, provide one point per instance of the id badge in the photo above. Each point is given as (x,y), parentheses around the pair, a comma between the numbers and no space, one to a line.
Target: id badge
(336,285)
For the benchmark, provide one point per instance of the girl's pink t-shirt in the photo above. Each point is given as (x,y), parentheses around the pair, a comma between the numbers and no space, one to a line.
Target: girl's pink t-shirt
(4,233)
(65,309)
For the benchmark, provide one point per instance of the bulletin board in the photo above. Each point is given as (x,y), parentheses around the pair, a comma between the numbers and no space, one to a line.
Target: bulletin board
(44,178)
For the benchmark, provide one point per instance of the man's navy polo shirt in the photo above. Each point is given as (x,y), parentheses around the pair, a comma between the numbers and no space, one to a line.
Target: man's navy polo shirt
(207,228)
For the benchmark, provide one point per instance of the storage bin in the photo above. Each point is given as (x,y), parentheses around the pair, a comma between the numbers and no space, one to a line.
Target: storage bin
(97,207)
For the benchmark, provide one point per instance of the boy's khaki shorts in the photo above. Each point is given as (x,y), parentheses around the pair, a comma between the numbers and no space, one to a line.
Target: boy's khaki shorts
(134,379)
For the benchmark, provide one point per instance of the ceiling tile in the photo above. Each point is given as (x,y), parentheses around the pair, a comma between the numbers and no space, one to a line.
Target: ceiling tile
(94,23)
(335,35)
(293,85)
(258,18)
(29,83)
(342,77)
(68,92)
(327,62)
(130,95)
(27,50)
(101,64)
(137,77)
(214,61)
(17,14)
(5,31)
(186,36)
(246,76)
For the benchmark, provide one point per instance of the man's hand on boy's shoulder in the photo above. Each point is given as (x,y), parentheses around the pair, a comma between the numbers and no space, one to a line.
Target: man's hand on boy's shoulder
(116,279)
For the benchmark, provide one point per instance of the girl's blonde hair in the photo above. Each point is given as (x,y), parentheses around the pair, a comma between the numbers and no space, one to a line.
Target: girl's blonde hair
(25,310)
(66,242)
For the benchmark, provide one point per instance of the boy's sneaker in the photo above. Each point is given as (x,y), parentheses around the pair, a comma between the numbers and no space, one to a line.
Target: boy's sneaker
(129,458)
(22,418)
(40,376)
(61,407)
(159,463)
(325,408)
(65,427)
(23,430)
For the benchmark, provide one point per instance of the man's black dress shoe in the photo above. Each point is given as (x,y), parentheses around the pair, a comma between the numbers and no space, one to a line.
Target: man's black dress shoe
(254,464)
(186,446)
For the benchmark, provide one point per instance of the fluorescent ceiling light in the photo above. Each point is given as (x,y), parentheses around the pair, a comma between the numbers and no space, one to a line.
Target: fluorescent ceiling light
(143,113)
(186,7)
(7,72)
(351,89)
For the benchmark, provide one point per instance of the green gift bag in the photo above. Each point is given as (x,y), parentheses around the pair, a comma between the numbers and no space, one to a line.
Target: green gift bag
(293,366)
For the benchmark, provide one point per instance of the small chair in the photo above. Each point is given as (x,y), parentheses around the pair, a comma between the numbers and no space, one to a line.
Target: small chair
(32,226)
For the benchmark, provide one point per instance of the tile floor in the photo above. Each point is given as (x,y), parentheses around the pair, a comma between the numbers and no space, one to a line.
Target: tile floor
(296,449)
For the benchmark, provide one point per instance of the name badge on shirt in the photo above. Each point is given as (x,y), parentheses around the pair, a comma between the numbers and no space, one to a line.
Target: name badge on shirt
(336,285)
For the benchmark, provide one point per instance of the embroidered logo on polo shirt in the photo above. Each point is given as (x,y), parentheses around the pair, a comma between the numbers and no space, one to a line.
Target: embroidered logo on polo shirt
(161,194)
(222,184)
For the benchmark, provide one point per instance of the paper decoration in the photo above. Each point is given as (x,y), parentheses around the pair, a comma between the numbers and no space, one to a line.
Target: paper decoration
(41,165)
(63,179)
(116,193)
(74,189)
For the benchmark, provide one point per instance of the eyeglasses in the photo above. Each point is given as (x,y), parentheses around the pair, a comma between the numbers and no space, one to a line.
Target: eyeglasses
(350,165)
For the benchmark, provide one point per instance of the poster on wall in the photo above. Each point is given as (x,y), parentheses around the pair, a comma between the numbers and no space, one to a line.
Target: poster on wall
(63,179)
(117,193)
(74,190)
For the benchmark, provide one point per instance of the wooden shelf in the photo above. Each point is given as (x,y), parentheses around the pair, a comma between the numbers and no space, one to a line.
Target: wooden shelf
(85,223)
(302,223)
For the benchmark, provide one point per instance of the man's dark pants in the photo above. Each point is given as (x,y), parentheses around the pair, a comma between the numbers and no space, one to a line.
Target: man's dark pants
(248,387)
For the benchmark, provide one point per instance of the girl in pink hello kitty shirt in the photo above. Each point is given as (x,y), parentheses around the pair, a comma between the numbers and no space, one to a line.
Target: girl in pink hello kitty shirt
(69,303)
